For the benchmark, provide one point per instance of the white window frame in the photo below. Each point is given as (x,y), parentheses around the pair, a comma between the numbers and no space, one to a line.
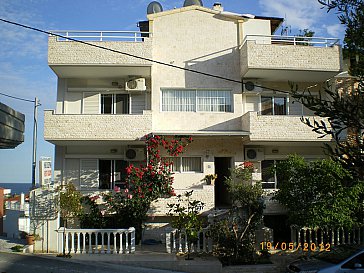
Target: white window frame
(180,161)
(113,102)
(196,98)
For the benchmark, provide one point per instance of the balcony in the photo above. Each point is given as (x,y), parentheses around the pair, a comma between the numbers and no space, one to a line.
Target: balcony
(290,58)
(285,128)
(101,53)
(95,127)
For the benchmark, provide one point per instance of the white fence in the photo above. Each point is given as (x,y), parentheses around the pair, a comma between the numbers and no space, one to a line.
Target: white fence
(324,236)
(97,241)
(176,242)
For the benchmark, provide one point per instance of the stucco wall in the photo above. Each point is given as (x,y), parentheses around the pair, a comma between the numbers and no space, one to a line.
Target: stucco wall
(201,41)
(69,52)
(288,57)
(278,128)
(96,127)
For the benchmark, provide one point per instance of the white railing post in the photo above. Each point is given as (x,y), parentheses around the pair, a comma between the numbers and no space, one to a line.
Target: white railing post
(83,242)
(168,240)
(121,247)
(60,241)
(72,242)
(66,248)
(108,243)
(132,239)
(96,243)
(89,242)
(174,241)
(78,243)
(115,249)
(102,243)
(126,242)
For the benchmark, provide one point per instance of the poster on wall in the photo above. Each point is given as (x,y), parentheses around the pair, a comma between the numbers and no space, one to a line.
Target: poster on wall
(45,172)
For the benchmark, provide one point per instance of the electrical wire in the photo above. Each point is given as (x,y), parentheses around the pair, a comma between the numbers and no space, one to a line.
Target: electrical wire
(139,57)
(17,98)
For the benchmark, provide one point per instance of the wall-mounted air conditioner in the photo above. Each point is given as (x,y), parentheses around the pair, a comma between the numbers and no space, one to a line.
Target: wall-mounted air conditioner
(254,154)
(136,84)
(135,154)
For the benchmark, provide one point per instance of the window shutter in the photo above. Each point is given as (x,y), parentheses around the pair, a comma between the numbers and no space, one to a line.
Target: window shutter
(91,103)
(89,177)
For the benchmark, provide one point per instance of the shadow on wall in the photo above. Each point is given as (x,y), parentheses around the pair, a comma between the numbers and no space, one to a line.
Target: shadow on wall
(83,180)
(224,63)
(234,124)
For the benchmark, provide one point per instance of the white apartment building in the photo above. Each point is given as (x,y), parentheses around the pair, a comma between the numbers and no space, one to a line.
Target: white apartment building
(107,101)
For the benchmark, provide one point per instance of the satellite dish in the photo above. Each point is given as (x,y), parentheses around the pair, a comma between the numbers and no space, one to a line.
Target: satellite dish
(192,2)
(154,7)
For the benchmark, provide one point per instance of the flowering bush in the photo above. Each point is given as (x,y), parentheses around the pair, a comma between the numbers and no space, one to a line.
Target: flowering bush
(144,184)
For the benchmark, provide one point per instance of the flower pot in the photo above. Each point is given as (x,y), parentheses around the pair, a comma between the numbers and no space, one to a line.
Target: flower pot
(30,239)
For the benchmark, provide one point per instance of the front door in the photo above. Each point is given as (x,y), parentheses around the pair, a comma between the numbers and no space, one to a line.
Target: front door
(222,166)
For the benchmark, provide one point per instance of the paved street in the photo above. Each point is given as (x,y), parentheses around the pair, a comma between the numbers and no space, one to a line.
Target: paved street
(20,263)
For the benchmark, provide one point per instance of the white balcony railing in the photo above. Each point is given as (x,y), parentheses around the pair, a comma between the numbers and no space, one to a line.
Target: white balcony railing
(176,242)
(94,35)
(292,40)
(97,241)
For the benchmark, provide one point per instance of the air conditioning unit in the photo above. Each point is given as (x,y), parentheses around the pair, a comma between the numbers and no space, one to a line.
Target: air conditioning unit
(135,84)
(135,154)
(254,154)
(251,87)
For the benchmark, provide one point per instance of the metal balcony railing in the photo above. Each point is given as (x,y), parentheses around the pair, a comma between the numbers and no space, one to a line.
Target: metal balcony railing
(95,35)
(292,40)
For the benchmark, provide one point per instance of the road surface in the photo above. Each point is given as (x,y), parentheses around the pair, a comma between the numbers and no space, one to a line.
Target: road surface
(20,263)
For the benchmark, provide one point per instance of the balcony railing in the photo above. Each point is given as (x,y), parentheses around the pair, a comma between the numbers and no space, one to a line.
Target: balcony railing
(176,242)
(292,40)
(97,241)
(94,35)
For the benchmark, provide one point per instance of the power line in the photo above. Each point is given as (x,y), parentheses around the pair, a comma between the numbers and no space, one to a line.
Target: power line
(138,57)
(17,98)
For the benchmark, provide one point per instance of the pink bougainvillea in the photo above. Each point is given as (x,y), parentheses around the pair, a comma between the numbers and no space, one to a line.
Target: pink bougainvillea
(146,183)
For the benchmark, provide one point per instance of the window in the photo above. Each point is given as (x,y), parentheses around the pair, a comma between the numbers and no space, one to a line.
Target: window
(112,173)
(269,177)
(186,164)
(114,104)
(272,105)
(186,100)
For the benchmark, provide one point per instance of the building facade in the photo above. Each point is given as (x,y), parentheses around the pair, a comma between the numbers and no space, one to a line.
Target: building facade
(111,93)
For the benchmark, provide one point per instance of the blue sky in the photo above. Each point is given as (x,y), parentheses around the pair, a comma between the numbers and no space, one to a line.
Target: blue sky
(23,56)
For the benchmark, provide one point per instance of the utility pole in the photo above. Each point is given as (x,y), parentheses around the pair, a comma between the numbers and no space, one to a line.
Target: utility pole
(35,129)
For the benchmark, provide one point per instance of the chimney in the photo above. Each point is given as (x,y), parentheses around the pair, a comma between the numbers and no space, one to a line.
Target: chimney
(218,7)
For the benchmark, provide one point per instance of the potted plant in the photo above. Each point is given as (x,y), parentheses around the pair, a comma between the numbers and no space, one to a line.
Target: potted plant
(30,238)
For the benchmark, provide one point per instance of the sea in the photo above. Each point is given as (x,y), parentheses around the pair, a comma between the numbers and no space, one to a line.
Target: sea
(17,188)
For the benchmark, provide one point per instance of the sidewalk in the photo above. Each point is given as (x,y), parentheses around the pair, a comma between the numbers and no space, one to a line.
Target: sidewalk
(7,243)
(150,256)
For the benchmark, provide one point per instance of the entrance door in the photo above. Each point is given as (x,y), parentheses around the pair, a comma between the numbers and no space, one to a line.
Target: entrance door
(222,166)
